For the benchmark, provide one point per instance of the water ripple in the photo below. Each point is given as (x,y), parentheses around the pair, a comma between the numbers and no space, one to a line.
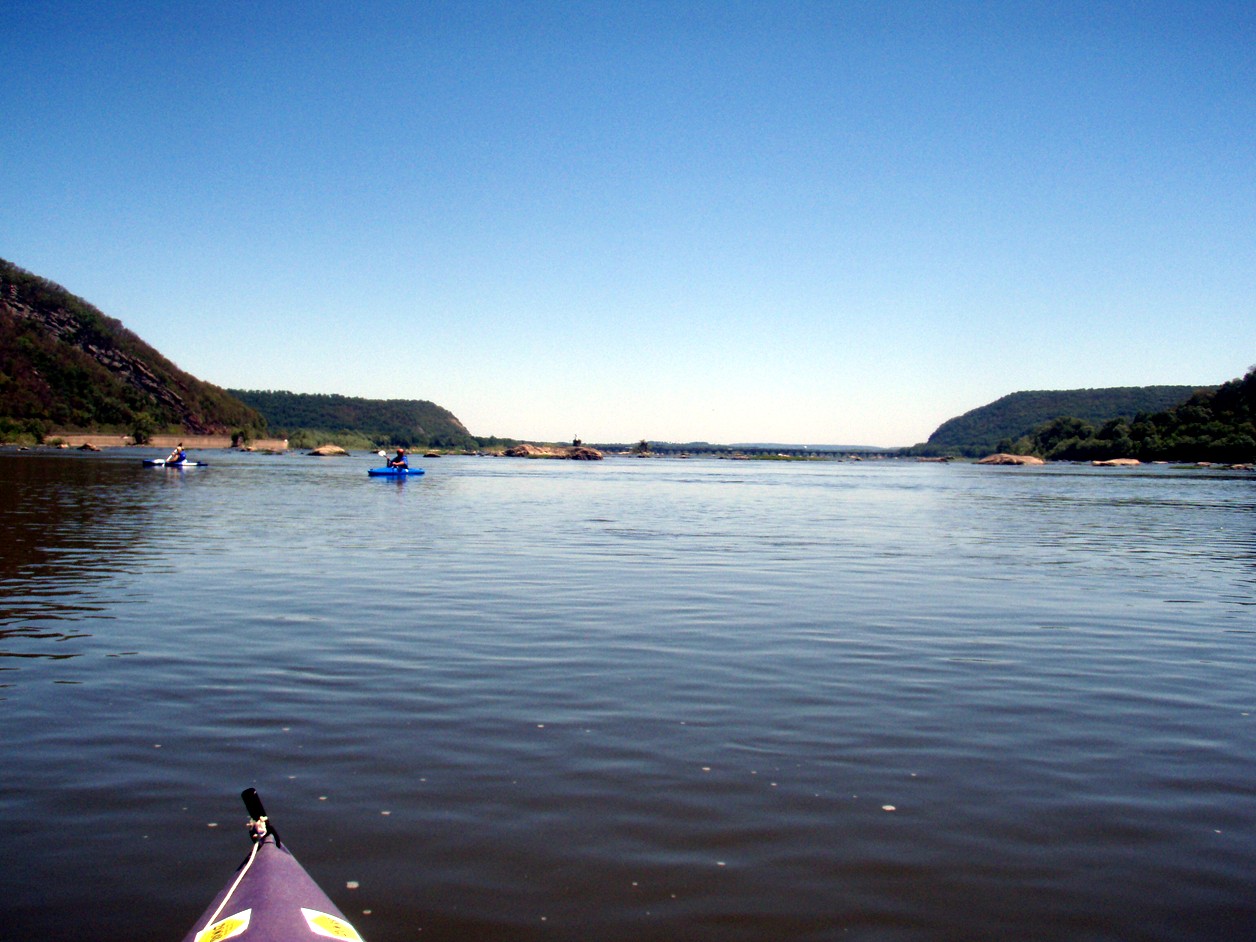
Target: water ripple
(636,699)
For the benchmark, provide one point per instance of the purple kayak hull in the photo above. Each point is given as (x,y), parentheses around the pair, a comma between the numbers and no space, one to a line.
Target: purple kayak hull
(271,899)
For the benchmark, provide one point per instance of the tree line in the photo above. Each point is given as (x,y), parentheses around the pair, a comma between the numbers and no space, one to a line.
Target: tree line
(980,431)
(409,423)
(1216,425)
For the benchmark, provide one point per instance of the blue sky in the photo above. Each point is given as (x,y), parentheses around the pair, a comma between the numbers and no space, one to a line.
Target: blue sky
(801,222)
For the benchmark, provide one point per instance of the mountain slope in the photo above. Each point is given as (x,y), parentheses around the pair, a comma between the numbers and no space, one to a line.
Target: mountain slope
(1214,425)
(64,364)
(408,422)
(979,431)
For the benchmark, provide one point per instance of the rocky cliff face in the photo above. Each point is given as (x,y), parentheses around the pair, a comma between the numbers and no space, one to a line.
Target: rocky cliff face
(65,363)
(125,367)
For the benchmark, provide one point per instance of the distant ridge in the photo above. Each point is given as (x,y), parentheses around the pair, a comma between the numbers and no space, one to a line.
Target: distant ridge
(406,422)
(65,366)
(828,449)
(980,431)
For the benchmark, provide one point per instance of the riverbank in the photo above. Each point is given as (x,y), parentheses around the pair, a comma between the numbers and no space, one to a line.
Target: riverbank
(189,442)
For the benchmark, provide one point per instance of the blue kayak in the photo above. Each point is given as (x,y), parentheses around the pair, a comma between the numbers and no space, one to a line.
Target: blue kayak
(163,463)
(395,472)
(271,898)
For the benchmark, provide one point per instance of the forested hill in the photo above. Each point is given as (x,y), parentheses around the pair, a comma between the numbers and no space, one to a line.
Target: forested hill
(408,422)
(980,432)
(1214,425)
(65,366)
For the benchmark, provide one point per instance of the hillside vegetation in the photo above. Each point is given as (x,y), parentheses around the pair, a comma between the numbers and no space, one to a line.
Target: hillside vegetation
(65,366)
(1216,425)
(412,423)
(1014,417)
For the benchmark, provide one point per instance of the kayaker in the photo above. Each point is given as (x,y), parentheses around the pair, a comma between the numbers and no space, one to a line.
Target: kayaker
(399,460)
(178,456)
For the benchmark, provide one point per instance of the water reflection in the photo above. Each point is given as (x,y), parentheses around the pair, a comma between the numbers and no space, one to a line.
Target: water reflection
(640,700)
(73,526)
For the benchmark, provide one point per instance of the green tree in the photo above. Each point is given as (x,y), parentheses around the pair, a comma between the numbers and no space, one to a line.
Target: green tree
(1058,435)
(143,427)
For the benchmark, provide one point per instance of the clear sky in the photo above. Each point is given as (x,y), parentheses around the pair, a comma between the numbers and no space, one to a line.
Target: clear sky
(837,222)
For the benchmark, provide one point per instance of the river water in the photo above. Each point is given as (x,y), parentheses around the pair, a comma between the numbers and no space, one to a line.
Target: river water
(632,699)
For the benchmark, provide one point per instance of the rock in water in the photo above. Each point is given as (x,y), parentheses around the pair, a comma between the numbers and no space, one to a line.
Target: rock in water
(1004,458)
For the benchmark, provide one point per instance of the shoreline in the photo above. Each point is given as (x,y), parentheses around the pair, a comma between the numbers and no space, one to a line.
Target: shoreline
(189,442)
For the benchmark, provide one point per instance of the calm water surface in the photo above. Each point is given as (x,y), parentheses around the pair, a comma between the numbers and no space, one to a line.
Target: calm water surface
(633,700)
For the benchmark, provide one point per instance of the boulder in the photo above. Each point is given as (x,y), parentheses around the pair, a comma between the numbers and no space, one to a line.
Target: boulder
(327,451)
(1004,458)
(1116,463)
(523,451)
(87,446)
(577,452)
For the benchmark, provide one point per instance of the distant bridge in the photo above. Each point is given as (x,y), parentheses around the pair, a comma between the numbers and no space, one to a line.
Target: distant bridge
(704,450)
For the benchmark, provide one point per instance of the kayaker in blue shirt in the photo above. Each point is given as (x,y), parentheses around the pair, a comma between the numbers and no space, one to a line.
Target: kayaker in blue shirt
(178,456)
(400,460)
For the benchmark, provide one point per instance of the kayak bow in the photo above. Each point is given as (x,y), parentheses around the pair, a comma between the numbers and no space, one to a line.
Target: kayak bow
(271,898)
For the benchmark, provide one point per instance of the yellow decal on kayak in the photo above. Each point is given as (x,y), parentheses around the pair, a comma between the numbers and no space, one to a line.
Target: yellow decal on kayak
(227,928)
(329,926)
